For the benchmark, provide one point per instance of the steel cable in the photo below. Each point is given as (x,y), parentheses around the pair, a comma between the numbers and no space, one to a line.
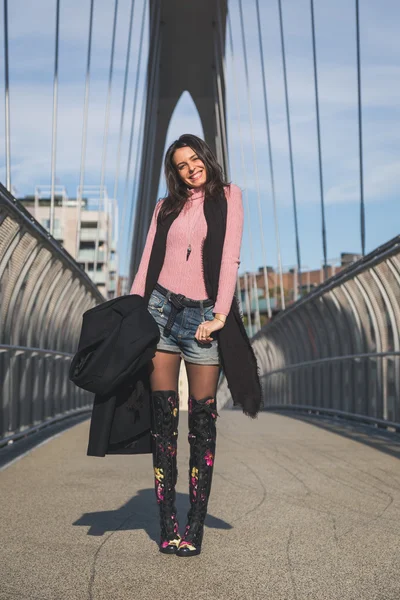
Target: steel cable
(229,161)
(128,165)
(135,182)
(121,126)
(296,228)
(321,181)
(102,195)
(255,162)
(151,87)
(54,128)
(220,62)
(84,130)
(246,195)
(360,132)
(271,166)
(7,99)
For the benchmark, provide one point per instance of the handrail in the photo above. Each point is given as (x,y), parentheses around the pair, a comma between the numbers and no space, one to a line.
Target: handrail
(35,350)
(330,359)
(44,295)
(375,257)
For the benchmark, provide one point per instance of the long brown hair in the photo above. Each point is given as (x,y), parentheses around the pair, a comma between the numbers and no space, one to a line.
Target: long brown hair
(177,190)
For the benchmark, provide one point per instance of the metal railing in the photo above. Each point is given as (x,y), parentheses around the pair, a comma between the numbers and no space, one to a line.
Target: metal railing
(337,350)
(43,294)
(361,386)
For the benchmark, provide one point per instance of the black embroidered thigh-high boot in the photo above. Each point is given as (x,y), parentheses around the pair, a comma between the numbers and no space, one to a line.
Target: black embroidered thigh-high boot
(165,417)
(202,440)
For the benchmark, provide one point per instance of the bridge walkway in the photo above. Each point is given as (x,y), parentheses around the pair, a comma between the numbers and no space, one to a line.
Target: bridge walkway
(300,509)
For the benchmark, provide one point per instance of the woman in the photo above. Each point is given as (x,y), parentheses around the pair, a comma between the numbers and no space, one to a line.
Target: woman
(197,253)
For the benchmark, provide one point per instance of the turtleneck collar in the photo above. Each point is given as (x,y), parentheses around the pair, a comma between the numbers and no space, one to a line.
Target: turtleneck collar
(196,193)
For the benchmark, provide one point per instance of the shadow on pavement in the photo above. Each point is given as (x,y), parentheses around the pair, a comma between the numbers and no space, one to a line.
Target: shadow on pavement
(140,512)
(375,437)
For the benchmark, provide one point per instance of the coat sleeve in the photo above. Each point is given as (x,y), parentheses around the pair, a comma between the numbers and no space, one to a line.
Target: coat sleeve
(139,283)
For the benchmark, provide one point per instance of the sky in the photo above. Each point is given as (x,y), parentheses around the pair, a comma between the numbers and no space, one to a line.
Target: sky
(31,37)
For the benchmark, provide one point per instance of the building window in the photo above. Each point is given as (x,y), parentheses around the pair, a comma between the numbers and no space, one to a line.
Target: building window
(46,223)
(88,224)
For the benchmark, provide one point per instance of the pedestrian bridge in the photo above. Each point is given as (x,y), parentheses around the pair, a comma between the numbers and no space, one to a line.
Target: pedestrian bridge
(300,508)
(306,498)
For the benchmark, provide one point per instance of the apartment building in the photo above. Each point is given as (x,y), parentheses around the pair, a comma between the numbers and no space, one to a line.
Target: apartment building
(252,285)
(89,235)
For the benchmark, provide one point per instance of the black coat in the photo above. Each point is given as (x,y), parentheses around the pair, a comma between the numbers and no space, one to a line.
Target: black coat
(117,342)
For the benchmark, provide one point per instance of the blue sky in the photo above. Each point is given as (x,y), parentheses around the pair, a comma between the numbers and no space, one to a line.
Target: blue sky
(31,71)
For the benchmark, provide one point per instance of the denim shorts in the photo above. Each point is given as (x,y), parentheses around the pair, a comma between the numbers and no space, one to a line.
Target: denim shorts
(181,339)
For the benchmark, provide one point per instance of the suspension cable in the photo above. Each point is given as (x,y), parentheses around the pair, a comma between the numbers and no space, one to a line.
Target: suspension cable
(246,195)
(224,76)
(296,228)
(149,105)
(136,171)
(102,195)
(233,160)
(55,111)
(360,132)
(128,164)
(271,166)
(321,181)
(220,109)
(255,162)
(7,99)
(121,126)
(84,130)
(220,64)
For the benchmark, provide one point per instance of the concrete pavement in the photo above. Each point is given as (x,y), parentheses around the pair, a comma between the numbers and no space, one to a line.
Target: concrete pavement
(300,510)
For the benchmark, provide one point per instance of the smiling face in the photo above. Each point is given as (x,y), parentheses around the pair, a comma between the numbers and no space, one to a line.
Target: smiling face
(190,167)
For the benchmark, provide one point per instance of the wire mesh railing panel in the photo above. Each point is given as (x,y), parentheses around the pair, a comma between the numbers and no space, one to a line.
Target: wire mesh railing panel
(362,327)
(389,284)
(8,230)
(337,350)
(343,320)
(43,295)
(25,296)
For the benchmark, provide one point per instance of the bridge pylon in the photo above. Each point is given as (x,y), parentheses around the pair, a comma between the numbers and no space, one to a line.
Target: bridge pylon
(187,42)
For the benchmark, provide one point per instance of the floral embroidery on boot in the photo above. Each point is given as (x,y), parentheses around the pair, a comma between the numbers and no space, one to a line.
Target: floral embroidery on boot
(202,440)
(165,416)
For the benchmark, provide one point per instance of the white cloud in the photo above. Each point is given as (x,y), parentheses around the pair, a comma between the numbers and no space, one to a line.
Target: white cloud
(31,64)
(379,183)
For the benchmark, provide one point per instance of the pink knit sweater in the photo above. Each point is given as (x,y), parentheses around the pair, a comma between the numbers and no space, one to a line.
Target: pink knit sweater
(190,227)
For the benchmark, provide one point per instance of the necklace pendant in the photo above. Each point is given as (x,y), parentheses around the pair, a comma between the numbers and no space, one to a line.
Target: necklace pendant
(189,249)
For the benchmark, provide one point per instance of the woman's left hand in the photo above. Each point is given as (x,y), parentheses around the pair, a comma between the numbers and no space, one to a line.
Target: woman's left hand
(206,328)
